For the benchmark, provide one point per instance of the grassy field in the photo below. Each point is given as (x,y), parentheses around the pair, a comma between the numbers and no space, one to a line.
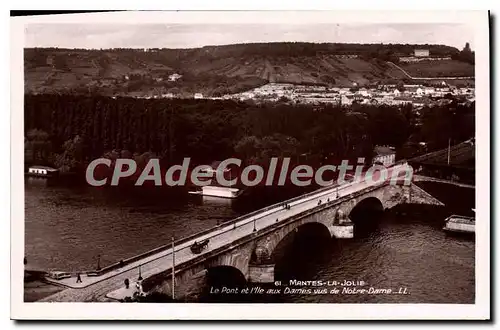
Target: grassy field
(446,68)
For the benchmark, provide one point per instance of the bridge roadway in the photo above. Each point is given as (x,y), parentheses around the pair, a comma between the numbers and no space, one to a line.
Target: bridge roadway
(95,288)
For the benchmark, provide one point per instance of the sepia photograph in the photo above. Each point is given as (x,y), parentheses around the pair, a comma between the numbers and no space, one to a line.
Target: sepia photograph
(248,162)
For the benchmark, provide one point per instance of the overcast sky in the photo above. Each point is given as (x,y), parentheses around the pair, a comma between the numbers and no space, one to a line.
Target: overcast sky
(198,35)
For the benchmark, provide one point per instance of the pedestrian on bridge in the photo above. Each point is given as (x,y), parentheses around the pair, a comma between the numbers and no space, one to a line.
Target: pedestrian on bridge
(78,278)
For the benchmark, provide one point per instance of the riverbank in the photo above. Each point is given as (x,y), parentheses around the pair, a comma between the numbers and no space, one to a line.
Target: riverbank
(36,288)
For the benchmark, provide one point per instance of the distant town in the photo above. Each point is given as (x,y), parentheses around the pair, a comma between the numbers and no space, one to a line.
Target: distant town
(419,95)
(430,91)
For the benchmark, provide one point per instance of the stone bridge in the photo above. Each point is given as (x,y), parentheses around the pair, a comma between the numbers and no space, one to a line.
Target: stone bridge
(245,246)
(252,258)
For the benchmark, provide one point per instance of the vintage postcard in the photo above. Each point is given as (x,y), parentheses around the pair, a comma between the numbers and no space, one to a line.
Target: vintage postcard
(321,165)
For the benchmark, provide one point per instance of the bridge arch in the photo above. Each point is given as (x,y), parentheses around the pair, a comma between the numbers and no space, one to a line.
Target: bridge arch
(370,205)
(274,246)
(310,234)
(289,247)
(223,283)
(224,275)
(366,215)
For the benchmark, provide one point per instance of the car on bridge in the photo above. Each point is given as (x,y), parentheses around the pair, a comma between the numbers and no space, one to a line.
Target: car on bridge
(198,247)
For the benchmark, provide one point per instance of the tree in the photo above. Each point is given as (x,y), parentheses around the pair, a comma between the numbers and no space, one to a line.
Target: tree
(248,148)
(467,48)
(261,150)
(441,123)
(143,159)
(328,79)
(465,55)
(72,158)
(37,146)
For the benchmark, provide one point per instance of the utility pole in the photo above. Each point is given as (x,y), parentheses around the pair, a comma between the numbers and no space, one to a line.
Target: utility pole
(449,150)
(170,135)
(173,269)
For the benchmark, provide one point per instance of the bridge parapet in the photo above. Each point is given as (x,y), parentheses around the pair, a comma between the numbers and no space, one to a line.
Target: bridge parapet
(233,243)
(257,213)
(336,216)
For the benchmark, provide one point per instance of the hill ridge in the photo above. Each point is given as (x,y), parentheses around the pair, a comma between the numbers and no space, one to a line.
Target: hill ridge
(218,70)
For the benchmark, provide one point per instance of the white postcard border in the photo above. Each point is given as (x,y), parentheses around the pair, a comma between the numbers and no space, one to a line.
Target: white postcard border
(478,20)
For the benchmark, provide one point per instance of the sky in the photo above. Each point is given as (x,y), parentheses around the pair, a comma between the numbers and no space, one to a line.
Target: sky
(78,35)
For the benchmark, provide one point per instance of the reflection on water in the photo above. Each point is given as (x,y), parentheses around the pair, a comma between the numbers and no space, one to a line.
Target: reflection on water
(408,251)
(210,200)
(402,251)
(68,227)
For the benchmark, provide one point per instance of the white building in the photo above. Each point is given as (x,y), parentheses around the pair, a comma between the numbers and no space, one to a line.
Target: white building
(428,90)
(174,77)
(346,99)
(364,92)
(198,96)
(464,91)
(421,53)
(42,171)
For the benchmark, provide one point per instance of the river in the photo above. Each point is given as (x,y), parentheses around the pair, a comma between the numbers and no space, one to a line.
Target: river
(74,227)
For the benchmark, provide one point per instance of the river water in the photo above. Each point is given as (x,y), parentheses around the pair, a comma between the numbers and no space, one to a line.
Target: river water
(73,227)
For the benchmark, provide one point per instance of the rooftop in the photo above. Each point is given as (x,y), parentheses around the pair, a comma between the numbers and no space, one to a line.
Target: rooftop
(384,150)
(40,167)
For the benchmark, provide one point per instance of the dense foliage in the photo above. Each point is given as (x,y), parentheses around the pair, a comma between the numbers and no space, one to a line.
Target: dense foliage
(68,131)
(175,57)
(465,55)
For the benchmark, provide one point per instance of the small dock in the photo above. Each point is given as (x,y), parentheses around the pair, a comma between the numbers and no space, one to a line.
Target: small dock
(42,171)
(460,224)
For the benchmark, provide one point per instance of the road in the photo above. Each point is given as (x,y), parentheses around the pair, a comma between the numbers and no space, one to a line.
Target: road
(417,178)
(95,288)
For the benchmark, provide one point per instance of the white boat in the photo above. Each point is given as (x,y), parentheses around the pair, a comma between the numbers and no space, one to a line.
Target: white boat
(218,191)
(460,224)
(42,171)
